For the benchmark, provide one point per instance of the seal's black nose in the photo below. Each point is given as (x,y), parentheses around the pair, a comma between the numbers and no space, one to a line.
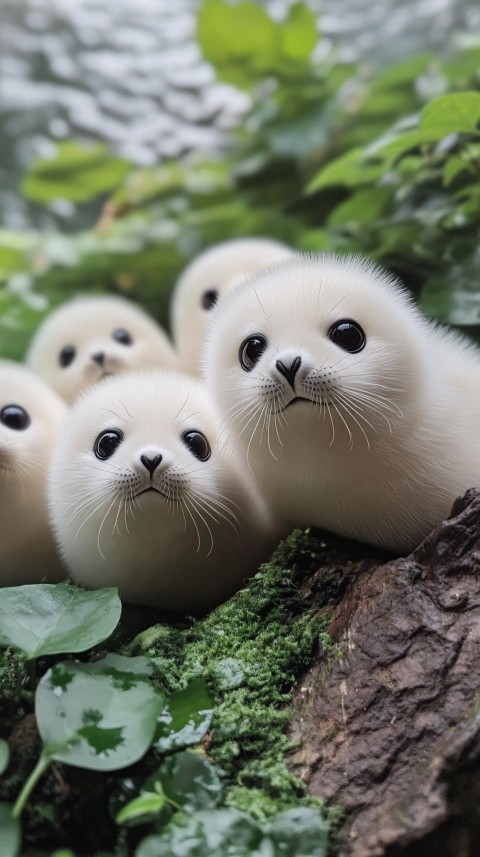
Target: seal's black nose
(99,358)
(151,464)
(289,372)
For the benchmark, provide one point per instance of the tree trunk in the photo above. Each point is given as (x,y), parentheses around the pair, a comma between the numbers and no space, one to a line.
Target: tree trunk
(387,721)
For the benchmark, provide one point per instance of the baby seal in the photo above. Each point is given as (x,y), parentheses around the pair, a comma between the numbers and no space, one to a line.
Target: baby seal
(143,497)
(206,279)
(30,417)
(353,411)
(88,338)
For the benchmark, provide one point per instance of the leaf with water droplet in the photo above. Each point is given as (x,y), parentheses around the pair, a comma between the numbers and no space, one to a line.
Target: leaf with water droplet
(55,618)
(113,735)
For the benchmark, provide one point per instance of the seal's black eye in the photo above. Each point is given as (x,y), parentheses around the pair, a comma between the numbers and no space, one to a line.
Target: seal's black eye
(348,335)
(209,298)
(14,417)
(67,356)
(197,444)
(251,350)
(106,443)
(122,336)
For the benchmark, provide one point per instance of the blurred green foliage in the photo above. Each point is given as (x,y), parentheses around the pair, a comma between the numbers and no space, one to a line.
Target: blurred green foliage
(330,157)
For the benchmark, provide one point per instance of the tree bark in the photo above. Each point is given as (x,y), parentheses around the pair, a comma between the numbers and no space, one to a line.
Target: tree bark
(387,721)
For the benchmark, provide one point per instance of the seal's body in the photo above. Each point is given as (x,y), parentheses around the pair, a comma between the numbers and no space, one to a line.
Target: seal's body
(205,281)
(88,338)
(143,496)
(354,412)
(30,417)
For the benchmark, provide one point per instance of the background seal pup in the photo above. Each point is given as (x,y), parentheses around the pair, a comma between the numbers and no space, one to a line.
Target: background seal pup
(30,417)
(87,338)
(143,497)
(206,279)
(354,412)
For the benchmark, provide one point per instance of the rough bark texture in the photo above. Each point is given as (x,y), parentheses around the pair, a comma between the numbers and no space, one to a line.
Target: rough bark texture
(387,723)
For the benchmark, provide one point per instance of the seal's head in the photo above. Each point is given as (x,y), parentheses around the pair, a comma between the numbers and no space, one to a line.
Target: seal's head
(142,495)
(88,338)
(315,339)
(206,280)
(30,417)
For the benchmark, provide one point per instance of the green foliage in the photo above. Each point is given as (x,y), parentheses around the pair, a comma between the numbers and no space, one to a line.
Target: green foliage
(74,172)
(185,719)
(245,45)
(9,832)
(4,755)
(48,619)
(101,715)
(298,833)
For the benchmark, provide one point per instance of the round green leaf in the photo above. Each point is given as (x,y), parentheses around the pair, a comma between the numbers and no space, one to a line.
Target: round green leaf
(185,719)
(188,781)
(49,619)
(4,755)
(215,833)
(9,832)
(299,832)
(101,716)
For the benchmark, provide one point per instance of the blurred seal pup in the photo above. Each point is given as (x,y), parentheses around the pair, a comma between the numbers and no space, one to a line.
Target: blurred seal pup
(87,338)
(205,280)
(143,497)
(30,417)
(354,412)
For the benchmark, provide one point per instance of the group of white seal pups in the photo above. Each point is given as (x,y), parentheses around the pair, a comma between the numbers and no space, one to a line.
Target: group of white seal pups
(327,399)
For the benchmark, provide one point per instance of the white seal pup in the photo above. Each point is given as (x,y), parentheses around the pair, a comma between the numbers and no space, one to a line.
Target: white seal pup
(90,337)
(30,417)
(143,497)
(205,280)
(355,413)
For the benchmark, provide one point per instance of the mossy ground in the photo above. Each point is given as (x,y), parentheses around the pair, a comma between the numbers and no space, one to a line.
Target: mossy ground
(251,651)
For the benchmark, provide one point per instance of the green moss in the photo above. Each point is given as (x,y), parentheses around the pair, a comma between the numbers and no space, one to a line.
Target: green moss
(251,650)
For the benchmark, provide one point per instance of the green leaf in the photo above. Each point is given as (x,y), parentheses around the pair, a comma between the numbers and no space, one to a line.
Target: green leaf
(9,832)
(298,33)
(299,833)
(451,114)
(453,168)
(238,39)
(185,719)
(349,170)
(101,715)
(365,206)
(188,781)
(143,808)
(219,832)
(11,260)
(49,619)
(4,756)
(215,833)
(77,173)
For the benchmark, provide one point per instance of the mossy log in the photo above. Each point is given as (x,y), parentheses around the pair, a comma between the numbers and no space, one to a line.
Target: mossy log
(386,722)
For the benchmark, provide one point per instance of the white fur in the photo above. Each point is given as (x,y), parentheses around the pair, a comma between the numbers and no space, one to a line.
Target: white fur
(219,268)
(27,550)
(180,549)
(88,325)
(390,435)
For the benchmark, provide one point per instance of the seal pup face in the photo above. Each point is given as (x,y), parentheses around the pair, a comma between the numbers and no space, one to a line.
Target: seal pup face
(206,280)
(324,345)
(30,417)
(88,338)
(143,497)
